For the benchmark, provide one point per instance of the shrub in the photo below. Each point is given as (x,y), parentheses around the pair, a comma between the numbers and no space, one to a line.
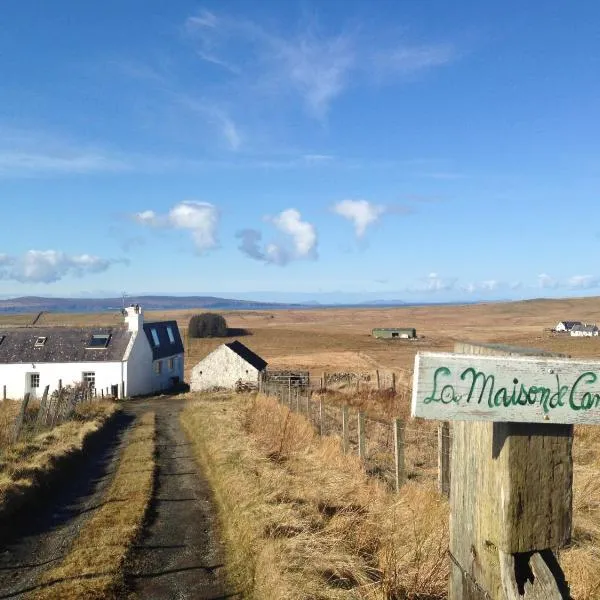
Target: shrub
(207,325)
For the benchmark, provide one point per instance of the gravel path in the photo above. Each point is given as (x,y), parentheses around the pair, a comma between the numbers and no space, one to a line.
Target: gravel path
(43,535)
(179,555)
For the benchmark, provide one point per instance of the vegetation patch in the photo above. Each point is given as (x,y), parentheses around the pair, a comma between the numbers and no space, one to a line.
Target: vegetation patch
(26,465)
(301,520)
(94,566)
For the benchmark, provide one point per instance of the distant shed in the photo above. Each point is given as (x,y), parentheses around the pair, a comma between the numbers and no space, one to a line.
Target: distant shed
(395,332)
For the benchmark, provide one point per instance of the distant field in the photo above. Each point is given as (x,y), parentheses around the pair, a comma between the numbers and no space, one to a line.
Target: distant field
(339,339)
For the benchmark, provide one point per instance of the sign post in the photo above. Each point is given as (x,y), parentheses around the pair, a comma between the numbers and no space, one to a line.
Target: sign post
(511,465)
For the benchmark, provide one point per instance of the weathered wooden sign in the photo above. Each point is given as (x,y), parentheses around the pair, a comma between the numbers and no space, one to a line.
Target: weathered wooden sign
(464,387)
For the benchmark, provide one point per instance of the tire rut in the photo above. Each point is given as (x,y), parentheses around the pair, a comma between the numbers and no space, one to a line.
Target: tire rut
(179,555)
(40,536)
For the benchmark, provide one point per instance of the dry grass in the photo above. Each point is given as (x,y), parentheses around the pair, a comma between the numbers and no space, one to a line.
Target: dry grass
(94,566)
(301,520)
(24,464)
(8,413)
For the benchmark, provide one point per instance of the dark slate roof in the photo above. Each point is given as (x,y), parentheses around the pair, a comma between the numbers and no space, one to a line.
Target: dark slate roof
(247,354)
(63,344)
(570,324)
(166,348)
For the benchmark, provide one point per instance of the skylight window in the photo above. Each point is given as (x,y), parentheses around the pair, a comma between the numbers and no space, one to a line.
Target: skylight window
(2,339)
(155,337)
(99,341)
(40,342)
(169,333)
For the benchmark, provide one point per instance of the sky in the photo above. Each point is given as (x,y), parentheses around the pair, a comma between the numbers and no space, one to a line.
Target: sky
(345,150)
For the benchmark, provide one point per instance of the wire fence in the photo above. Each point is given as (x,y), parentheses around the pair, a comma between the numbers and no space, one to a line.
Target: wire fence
(393,450)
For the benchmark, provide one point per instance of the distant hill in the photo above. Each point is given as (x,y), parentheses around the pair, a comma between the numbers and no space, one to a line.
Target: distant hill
(30,304)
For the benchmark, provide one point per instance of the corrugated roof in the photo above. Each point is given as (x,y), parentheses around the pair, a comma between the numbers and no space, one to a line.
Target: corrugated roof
(166,347)
(247,354)
(62,344)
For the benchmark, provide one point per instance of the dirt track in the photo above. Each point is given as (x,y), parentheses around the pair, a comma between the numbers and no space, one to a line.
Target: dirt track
(178,555)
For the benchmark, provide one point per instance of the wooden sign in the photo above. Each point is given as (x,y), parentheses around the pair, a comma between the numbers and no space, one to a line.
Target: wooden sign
(463,387)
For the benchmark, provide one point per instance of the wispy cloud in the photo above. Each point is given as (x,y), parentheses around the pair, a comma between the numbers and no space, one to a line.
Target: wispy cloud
(49,266)
(300,242)
(200,219)
(315,66)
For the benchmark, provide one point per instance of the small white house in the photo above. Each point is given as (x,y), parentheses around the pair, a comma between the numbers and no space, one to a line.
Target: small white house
(584,331)
(565,326)
(226,366)
(132,359)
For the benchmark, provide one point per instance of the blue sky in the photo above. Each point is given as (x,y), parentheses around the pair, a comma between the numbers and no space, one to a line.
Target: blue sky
(425,151)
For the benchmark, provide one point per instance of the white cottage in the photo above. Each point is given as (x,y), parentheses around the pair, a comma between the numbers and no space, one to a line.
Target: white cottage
(132,359)
(566,326)
(226,366)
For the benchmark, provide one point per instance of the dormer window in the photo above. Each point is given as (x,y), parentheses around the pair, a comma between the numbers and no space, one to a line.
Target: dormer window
(40,342)
(155,337)
(99,341)
(170,334)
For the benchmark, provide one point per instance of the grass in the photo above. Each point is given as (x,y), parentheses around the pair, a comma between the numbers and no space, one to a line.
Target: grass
(25,464)
(301,520)
(94,566)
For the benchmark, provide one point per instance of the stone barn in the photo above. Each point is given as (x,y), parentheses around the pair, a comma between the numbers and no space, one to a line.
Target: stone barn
(395,332)
(227,366)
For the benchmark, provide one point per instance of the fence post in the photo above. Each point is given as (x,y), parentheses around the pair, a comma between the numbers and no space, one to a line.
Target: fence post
(345,436)
(361,435)
(308,406)
(393,382)
(298,408)
(320,416)
(4,392)
(444,458)
(59,384)
(41,416)
(399,453)
(20,418)
(378,379)
(510,505)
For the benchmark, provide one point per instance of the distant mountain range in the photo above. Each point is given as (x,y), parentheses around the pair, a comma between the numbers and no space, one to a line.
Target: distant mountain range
(30,304)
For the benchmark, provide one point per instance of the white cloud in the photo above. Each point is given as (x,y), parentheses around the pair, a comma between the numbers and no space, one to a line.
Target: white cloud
(201,219)
(583,281)
(48,266)
(301,243)
(545,281)
(406,59)
(361,212)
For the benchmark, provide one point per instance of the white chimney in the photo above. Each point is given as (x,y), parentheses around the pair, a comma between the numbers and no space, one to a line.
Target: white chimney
(134,317)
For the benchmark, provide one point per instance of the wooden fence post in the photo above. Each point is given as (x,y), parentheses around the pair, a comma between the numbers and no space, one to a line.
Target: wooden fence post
(444,458)
(4,392)
(345,433)
(361,435)
(378,379)
(320,416)
(20,418)
(308,405)
(510,505)
(60,384)
(393,382)
(399,453)
(298,407)
(41,416)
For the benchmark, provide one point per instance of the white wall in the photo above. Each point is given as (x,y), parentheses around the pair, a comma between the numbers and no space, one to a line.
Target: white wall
(222,368)
(15,376)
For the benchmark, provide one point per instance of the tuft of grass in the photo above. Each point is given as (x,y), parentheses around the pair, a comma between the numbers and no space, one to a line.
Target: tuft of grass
(28,462)
(94,566)
(302,520)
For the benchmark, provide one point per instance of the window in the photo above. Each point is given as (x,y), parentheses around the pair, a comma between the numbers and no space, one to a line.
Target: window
(99,341)
(158,367)
(155,337)
(170,334)
(34,380)
(40,342)
(171,364)
(2,339)
(89,379)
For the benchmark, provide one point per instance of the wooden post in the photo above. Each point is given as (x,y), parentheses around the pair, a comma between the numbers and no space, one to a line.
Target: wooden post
(444,458)
(345,433)
(290,392)
(60,384)
(308,405)
(4,392)
(393,382)
(20,418)
(321,384)
(41,416)
(298,407)
(378,379)
(399,453)
(320,416)
(361,435)
(510,505)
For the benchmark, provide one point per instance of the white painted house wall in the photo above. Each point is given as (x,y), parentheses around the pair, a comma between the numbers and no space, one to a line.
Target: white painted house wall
(560,327)
(222,368)
(584,333)
(16,376)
